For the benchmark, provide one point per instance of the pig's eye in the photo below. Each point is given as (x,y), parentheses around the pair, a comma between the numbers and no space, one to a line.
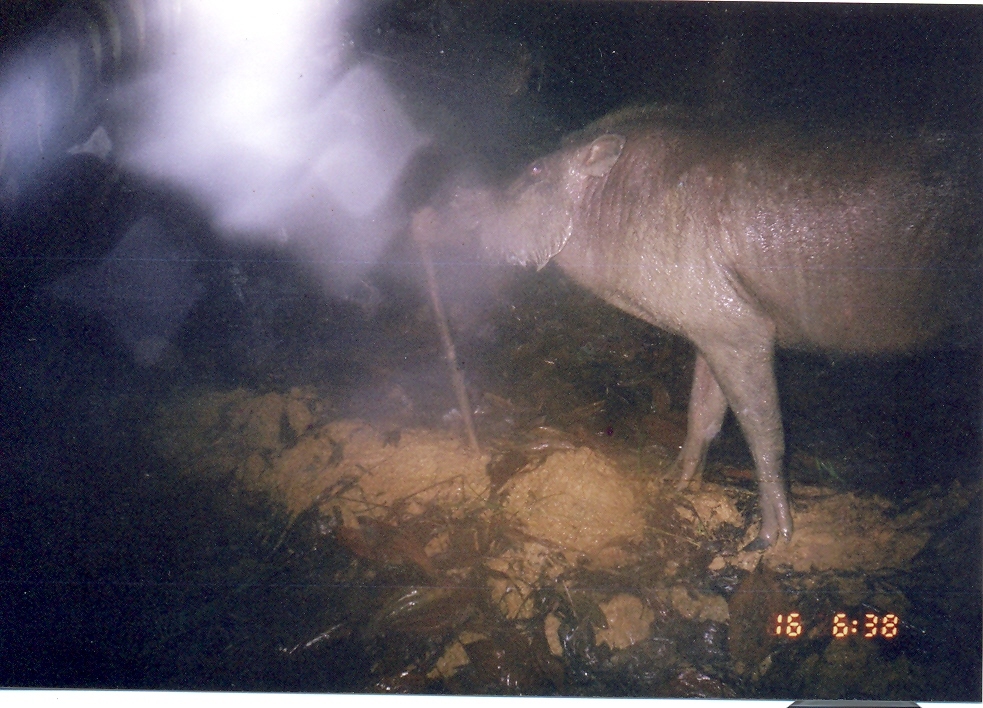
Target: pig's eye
(536,169)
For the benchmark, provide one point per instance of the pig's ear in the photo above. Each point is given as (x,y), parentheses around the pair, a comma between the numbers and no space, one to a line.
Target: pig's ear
(602,154)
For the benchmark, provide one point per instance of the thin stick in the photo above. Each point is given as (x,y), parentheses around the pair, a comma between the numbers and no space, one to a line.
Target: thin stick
(457,378)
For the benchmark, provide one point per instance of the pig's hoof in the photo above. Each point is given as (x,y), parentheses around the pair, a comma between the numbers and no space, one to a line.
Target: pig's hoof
(758,544)
(687,472)
(685,482)
(765,541)
(692,485)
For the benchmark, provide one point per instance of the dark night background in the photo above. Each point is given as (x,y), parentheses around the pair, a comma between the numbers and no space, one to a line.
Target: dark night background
(117,572)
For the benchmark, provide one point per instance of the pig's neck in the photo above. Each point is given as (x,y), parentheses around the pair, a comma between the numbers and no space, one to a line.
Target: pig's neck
(667,282)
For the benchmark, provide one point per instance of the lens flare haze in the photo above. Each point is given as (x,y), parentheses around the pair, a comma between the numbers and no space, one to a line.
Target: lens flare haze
(264,116)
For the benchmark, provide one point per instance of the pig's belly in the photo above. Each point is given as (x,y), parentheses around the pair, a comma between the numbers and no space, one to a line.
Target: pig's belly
(853,311)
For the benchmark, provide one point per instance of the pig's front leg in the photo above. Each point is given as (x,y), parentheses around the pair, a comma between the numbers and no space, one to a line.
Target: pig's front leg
(746,375)
(707,407)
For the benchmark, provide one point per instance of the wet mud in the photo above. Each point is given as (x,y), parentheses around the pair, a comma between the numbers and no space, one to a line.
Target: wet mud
(558,559)
(314,519)
(284,499)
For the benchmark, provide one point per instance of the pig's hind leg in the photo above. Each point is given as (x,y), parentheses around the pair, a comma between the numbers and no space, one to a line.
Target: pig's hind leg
(707,407)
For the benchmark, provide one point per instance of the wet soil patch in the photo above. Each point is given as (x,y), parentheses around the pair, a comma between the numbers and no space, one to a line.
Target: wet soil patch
(279,532)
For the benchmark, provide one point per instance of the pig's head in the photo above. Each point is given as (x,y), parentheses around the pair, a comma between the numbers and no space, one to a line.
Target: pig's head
(531,219)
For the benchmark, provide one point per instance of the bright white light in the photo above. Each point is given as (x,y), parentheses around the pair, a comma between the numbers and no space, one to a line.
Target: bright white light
(31,112)
(244,66)
(255,112)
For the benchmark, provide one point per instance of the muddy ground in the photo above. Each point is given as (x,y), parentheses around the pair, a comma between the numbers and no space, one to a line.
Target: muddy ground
(525,568)
(289,503)
(558,558)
